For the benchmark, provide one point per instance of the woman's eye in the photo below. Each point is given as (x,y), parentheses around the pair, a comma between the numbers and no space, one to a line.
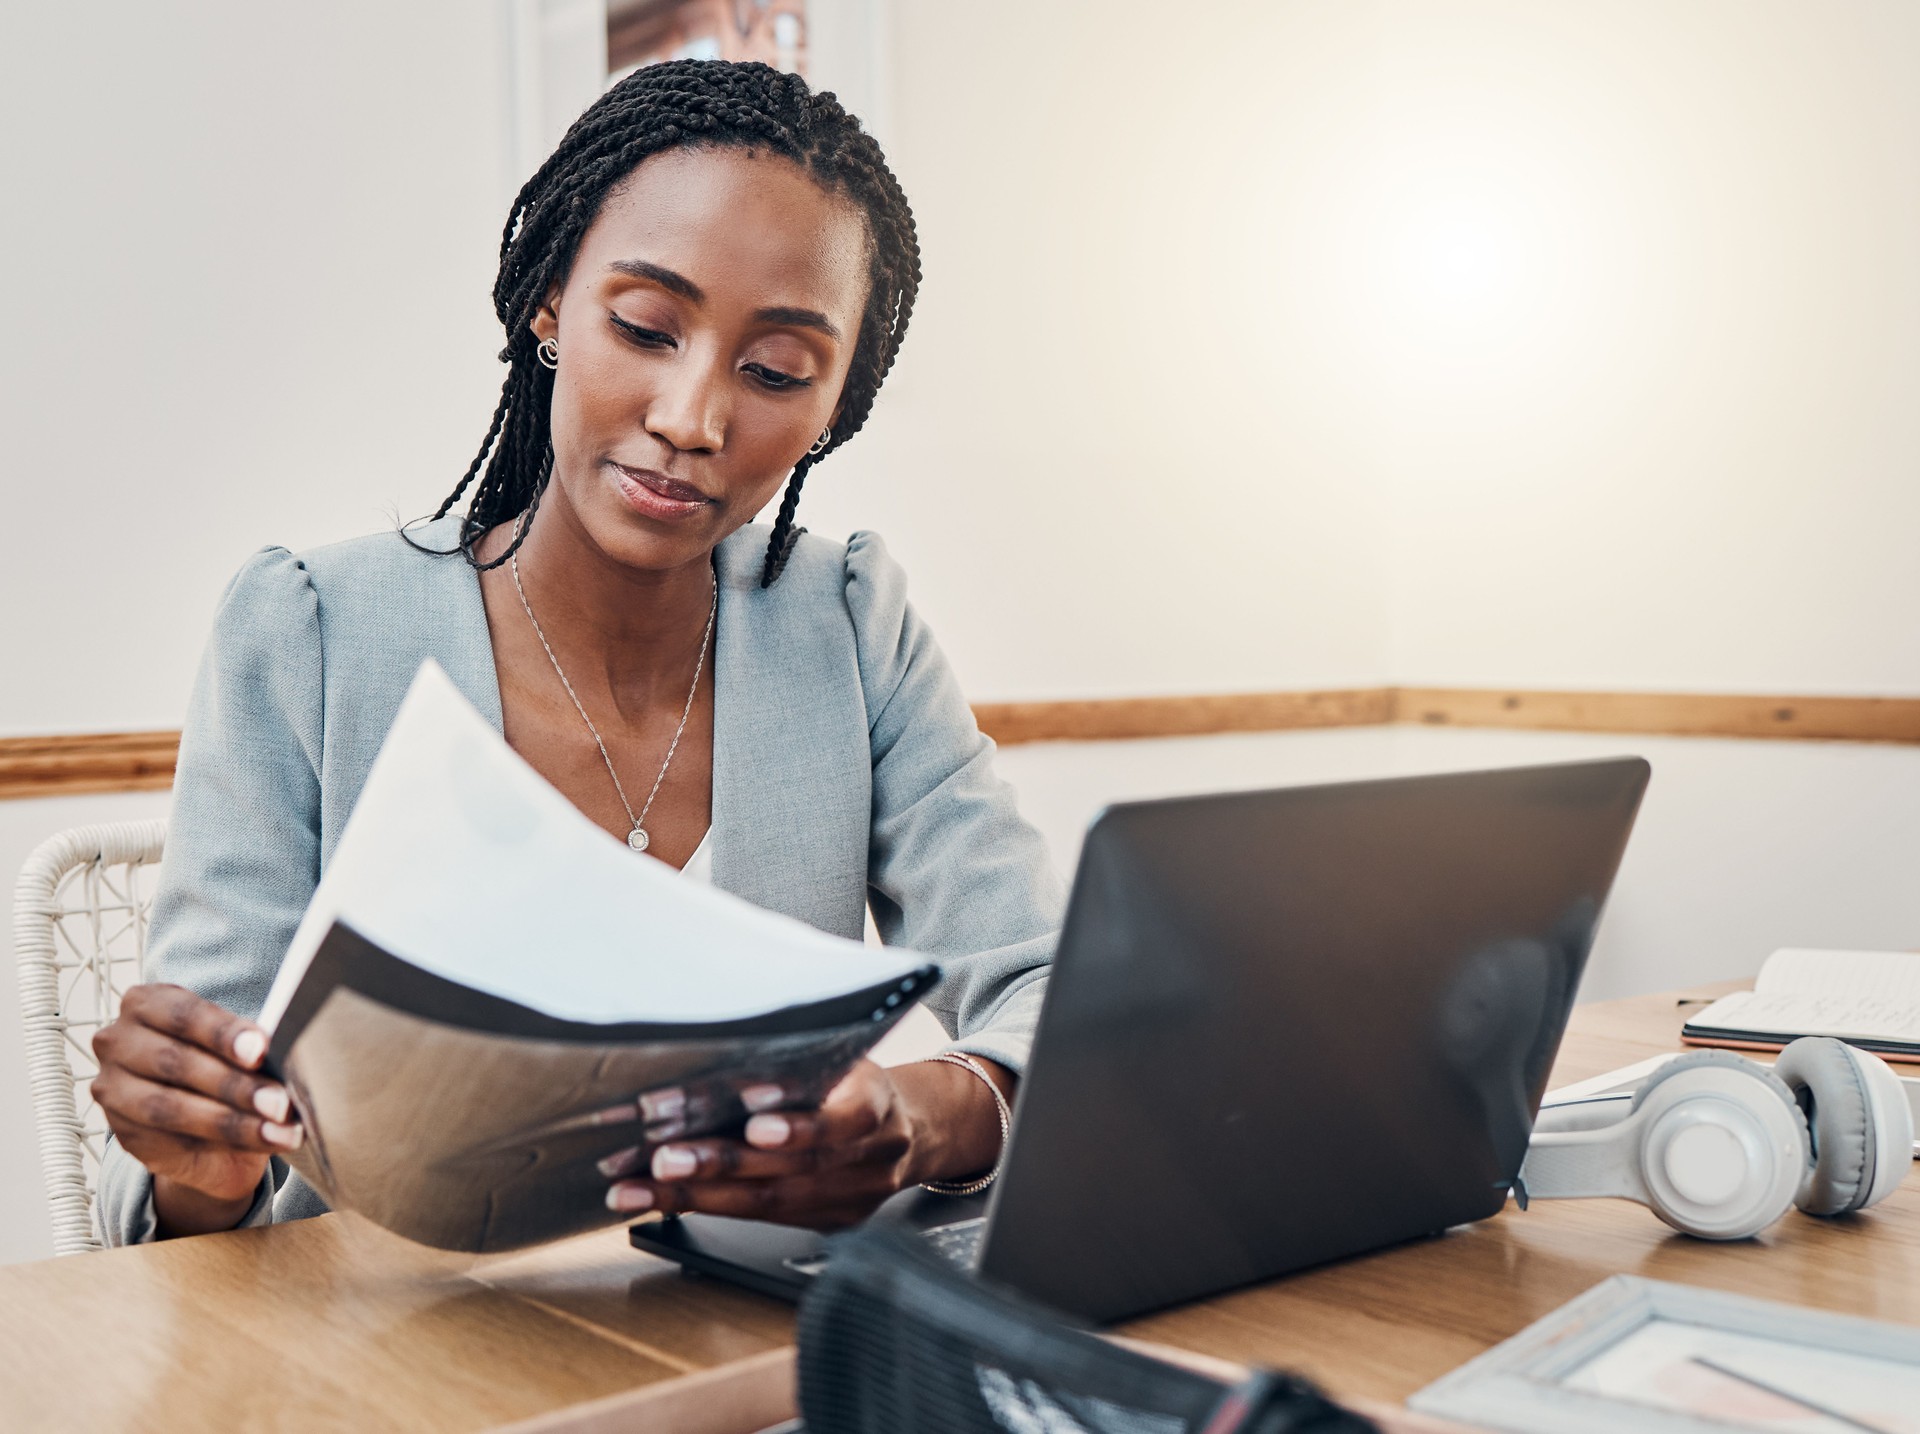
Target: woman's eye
(773,378)
(647,338)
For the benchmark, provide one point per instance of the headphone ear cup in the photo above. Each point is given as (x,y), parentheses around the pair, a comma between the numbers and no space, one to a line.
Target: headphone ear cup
(1834,1084)
(1778,1149)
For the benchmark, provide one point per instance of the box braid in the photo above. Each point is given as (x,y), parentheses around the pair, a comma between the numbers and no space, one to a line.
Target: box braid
(677,105)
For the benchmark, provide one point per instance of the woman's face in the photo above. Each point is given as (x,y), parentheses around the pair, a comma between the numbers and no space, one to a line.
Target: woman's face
(705,334)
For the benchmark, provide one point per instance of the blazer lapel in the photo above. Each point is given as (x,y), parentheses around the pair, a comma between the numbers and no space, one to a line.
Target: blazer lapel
(792,770)
(467,649)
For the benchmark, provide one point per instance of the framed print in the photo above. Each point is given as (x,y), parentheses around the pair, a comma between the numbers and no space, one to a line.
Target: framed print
(1660,1358)
(562,54)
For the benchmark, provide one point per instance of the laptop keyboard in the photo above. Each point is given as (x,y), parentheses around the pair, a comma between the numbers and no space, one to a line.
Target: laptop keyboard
(959,1243)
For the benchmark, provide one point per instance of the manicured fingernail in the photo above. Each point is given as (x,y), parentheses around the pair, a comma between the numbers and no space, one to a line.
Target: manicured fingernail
(625,1199)
(762,1097)
(768,1130)
(248,1047)
(666,1130)
(620,1162)
(287,1136)
(664,1104)
(671,1162)
(271,1101)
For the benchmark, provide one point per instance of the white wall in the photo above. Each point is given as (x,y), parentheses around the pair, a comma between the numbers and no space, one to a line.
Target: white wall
(1330,341)
(1642,320)
(1741,847)
(1109,456)
(253,248)
(1461,341)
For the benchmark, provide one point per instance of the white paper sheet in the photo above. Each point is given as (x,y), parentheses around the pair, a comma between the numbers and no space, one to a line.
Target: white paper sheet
(463,860)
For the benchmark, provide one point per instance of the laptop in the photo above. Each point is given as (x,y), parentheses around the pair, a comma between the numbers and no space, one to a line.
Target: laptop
(1282,1028)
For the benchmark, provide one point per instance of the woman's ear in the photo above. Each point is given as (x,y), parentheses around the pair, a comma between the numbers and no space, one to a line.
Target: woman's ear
(545,322)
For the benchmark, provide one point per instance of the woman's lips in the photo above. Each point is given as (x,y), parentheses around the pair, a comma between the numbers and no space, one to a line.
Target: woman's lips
(654,495)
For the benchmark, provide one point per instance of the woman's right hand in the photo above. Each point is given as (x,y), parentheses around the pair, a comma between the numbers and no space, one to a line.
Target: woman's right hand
(178,1086)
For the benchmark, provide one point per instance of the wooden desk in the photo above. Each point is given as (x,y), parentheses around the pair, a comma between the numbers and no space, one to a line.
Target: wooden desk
(331,1323)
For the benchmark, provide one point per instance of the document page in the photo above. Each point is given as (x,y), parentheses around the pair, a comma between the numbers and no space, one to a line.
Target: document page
(464,861)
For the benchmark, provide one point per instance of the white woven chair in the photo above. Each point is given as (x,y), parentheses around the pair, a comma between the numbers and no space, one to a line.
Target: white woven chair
(80,935)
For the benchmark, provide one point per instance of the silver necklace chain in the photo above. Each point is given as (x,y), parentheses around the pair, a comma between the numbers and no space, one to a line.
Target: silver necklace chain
(637,837)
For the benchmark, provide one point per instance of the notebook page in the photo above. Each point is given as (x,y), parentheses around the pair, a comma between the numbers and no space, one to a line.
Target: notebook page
(1847,1017)
(1889,975)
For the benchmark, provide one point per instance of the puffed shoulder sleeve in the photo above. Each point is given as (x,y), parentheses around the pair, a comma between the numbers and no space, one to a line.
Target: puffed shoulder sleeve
(243,834)
(954,869)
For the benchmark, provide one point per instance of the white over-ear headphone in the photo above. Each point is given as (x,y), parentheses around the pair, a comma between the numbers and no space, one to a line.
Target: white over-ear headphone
(1720,1147)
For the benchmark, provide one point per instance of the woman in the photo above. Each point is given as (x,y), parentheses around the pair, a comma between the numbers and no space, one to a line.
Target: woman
(702,291)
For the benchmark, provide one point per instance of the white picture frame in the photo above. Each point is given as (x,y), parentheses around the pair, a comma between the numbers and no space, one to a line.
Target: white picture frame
(556,61)
(556,53)
(849,43)
(1532,1381)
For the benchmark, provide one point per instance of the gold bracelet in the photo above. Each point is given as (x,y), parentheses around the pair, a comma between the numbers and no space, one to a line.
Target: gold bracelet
(981,1182)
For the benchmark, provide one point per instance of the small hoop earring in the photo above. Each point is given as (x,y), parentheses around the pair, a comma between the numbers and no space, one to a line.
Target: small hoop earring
(549,353)
(820,443)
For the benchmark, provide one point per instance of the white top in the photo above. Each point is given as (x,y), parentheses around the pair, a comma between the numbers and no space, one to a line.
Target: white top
(700,865)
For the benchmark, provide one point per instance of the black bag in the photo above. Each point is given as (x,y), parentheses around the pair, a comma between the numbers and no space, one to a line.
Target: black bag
(895,1340)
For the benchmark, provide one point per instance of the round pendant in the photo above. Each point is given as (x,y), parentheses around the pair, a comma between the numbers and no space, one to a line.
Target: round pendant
(637,838)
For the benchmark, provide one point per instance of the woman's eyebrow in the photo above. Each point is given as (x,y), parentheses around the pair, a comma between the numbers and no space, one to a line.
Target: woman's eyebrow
(799,319)
(666,278)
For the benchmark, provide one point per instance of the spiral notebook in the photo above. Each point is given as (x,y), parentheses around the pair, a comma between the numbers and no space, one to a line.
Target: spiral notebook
(489,994)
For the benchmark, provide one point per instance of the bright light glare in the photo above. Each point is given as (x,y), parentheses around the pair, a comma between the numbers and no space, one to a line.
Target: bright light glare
(1457,263)
(1465,277)
(1466,285)
(1460,263)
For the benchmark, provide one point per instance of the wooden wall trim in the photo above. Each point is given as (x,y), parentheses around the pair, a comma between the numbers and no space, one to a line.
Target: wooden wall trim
(86,762)
(135,761)
(1667,714)
(1111,718)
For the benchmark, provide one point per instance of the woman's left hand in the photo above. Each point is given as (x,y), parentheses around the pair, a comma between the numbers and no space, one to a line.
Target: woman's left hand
(878,1131)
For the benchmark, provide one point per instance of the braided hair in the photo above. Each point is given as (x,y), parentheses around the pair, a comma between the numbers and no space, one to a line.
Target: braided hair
(678,105)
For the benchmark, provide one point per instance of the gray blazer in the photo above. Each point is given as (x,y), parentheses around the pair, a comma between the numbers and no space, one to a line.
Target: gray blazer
(848,773)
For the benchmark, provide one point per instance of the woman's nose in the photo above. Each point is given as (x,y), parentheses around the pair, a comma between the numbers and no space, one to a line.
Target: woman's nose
(690,410)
